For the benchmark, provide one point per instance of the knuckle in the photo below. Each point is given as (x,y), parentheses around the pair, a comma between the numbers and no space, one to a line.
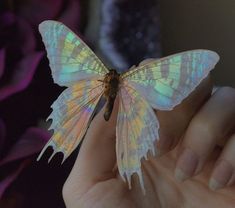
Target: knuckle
(66,192)
(71,193)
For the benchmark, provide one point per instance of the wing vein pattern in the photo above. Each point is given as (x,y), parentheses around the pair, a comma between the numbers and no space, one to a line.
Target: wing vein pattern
(74,65)
(71,119)
(165,82)
(69,57)
(136,131)
(160,84)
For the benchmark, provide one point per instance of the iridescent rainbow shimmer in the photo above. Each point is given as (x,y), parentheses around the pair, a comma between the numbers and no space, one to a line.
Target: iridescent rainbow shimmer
(159,83)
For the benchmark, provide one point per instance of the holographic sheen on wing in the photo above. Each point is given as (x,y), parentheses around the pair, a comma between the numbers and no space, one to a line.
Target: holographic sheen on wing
(160,84)
(74,65)
(165,82)
(137,129)
(69,57)
(71,115)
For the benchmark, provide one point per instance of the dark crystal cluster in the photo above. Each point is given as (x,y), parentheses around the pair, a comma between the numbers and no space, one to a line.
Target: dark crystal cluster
(130,31)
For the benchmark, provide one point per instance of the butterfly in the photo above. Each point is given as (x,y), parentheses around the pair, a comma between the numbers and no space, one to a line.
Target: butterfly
(156,84)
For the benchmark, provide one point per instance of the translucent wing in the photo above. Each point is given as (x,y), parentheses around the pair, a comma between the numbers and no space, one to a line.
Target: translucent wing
(74,65)
(70,58)
(166,82)
(137,129)
(161,84)
(71,114)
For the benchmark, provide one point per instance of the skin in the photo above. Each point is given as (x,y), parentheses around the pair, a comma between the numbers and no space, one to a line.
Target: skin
(194,167)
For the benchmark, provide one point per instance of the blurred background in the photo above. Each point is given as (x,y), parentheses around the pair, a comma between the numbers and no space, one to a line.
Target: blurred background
(122,33)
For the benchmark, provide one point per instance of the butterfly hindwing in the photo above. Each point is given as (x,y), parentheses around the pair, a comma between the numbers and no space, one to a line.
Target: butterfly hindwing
(71,114)
(165,82)
(159,84)
(70,58)
(136,131)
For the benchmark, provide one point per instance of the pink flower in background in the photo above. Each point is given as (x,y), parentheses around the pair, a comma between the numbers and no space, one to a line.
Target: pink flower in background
(36,11)
(18,58)
(18,63)
(24,81)
(20,154)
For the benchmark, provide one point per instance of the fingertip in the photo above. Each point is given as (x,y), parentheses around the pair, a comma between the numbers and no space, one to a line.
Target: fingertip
(213,184)
(180,175)
(96,158)
(221,175)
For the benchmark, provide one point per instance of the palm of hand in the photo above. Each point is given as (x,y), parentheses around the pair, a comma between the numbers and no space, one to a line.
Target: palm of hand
(162,190)
(94,183)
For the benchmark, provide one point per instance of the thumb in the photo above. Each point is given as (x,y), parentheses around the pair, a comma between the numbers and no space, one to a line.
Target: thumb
(97,156)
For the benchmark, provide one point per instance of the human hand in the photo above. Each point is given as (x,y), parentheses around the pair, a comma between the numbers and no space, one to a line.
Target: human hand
(189,151)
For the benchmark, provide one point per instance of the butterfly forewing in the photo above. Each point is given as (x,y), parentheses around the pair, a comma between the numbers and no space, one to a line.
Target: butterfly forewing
(166,82)
(70,58)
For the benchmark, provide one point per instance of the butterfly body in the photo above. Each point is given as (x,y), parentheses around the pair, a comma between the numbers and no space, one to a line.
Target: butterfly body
(159,84)
(111,85)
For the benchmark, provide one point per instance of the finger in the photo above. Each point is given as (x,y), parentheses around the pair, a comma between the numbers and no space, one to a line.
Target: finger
(214,121)
(224,171)
(174,123)
(97,157)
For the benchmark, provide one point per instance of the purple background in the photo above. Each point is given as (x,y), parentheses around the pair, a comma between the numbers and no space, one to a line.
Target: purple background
(27,89)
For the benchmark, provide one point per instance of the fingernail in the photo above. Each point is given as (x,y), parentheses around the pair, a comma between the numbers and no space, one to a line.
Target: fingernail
(186,165)
(221,175)
(180,175)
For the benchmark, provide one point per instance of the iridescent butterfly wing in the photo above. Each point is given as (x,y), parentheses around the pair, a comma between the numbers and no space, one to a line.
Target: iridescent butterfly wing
(73,65)
(160,84)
